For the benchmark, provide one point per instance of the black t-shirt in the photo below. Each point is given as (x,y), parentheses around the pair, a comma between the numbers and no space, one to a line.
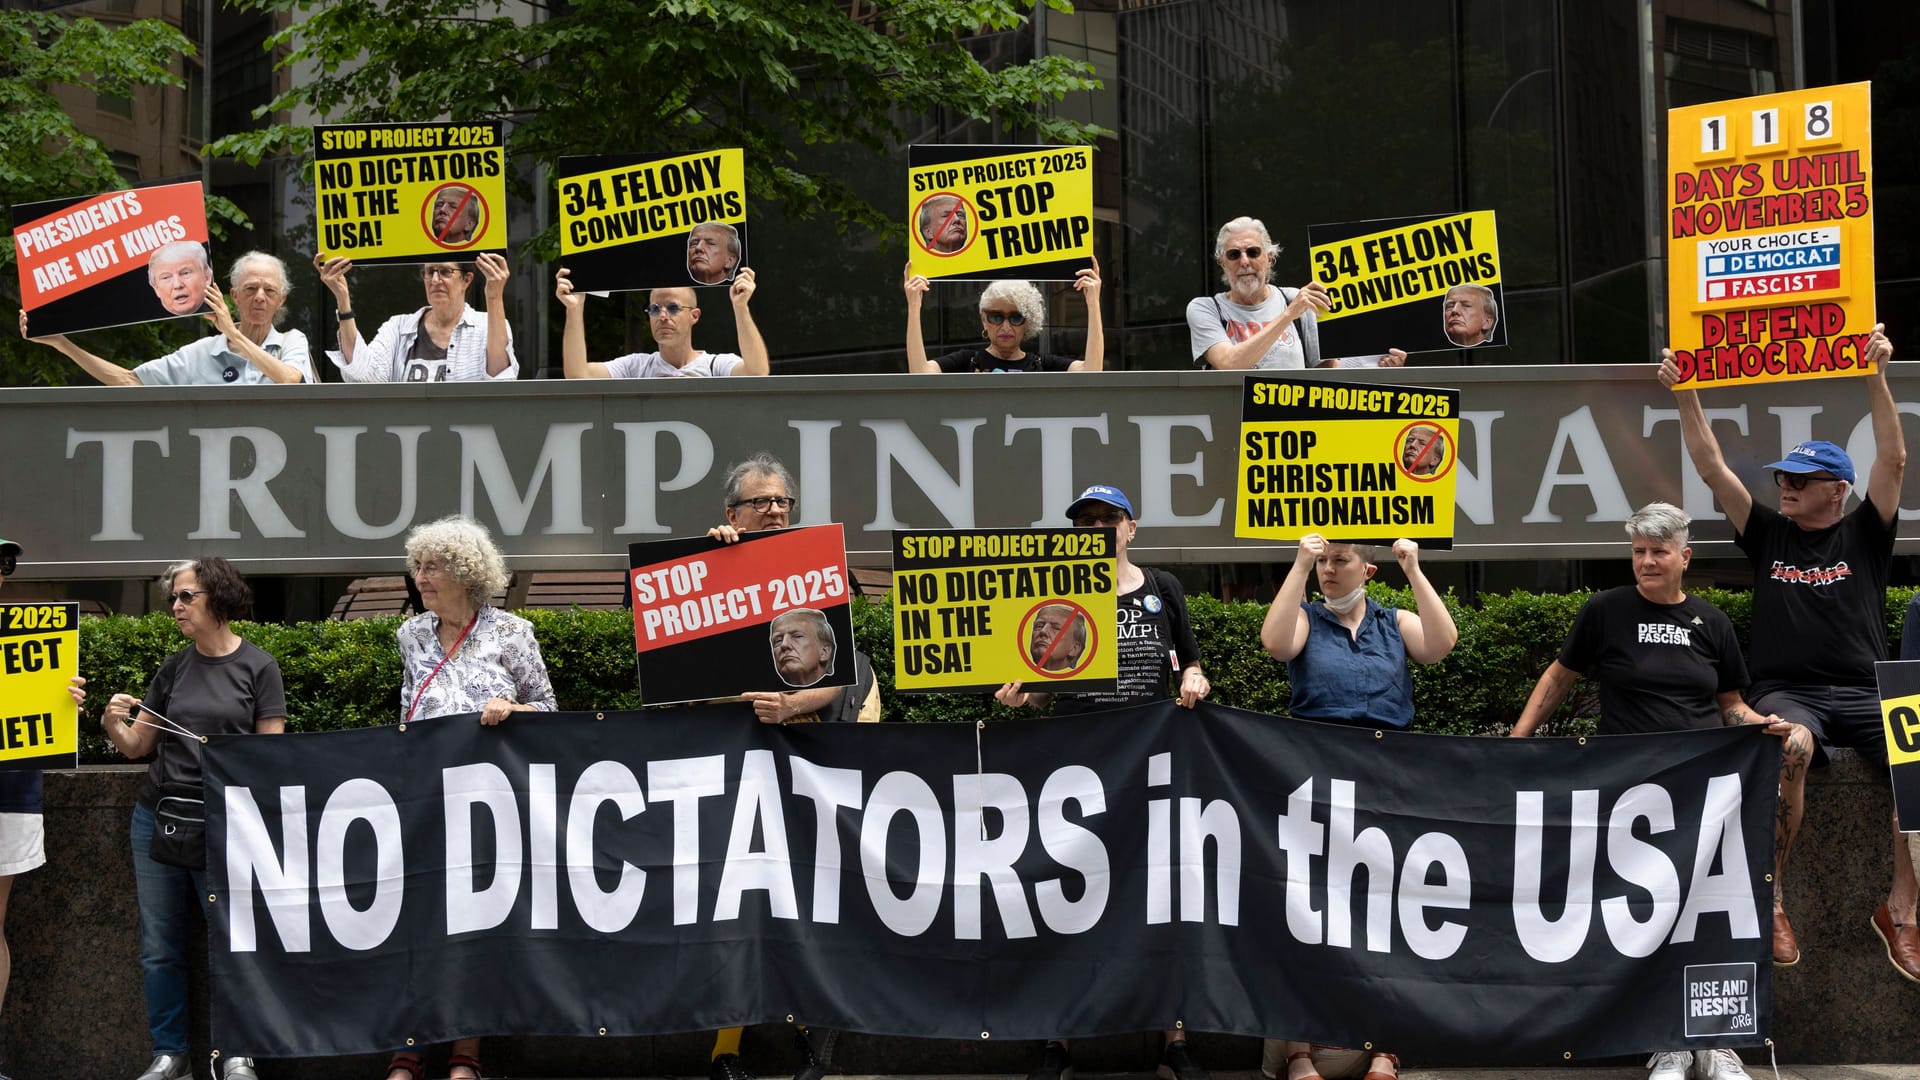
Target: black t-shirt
(20,791)
(1660,666)
(209,695)
(1819,596)
(965,361)
(1156,641)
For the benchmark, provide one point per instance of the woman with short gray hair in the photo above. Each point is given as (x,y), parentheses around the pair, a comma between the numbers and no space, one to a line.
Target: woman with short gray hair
(1010,313)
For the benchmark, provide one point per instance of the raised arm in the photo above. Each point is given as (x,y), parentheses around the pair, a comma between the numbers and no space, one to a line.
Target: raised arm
(1284,633)
(106,371)
(573,336)
(1239,356)
(496,271)
(1088,282)
(222,320)
(916,288)
(333,274)
(753,347)
(1704,449)
(1547,697)
(1430,635)
(1889,441)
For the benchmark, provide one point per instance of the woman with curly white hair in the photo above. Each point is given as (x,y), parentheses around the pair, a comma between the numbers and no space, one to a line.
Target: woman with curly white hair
(463,655)
(1010,313)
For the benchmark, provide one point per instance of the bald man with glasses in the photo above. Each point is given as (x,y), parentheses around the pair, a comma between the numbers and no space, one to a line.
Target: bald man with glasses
(671,315)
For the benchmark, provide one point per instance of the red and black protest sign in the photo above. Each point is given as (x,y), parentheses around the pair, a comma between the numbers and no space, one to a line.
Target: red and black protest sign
(113,259)
(713,620)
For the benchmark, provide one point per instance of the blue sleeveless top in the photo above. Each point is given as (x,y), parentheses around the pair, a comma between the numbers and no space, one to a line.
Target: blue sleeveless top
(1353,678)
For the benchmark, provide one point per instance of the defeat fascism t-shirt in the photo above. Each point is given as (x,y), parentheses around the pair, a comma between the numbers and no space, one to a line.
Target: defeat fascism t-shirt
(1155,641)
(1660,666)
(208,695)
(1818,596)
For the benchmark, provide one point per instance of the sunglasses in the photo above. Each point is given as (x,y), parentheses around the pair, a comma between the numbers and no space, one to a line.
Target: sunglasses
(998,317)
(8,564)
(764,503)
(1797,481)
(1252,254)
(1095,521)
(184,596)
(669,308)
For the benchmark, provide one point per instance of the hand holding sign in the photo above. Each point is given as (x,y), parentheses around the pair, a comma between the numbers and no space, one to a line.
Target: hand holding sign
(333,274)
(1088,282)
(563,290)
(494,268)
(1407,554)
(742,288)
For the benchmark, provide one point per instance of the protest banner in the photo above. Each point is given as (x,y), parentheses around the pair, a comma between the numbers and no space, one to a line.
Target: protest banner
(1415,283)
(1148,867)
(769,612)
(974,609)
(39,655)
(1355,463)
(653,221)
(410,193)
(994,213)
(1900,711)
(113,259)
(1770,237)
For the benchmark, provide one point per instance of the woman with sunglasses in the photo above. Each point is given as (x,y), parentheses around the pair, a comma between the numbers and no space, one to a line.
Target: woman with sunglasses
(1010,313)
(219,684)
(462,656)
(671,315)
(446,341)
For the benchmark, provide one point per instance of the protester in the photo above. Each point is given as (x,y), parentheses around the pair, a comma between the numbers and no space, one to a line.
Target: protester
(463,655)
(1819,596)
(1255,324)
(1346,657)
(252,352)
(1010,313)
(219,684)
(1667,661)
(22,832)
(671,315)
(713,252)
(1468,315)
(179,274)
(446,341)
(1155,642)
(758,497)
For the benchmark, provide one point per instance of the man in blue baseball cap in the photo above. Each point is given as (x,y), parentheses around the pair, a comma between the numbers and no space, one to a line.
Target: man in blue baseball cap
(1819,596)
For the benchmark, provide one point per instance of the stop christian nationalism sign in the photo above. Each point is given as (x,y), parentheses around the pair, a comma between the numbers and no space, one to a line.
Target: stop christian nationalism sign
(682,869)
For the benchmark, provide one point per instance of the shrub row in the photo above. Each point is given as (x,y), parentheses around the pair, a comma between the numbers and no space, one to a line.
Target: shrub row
(347,674)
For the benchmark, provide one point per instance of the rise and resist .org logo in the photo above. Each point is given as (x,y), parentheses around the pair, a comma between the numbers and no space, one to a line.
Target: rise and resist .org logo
(1819,575)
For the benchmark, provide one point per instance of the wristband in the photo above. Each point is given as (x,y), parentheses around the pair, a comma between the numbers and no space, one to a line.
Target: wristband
(344,316)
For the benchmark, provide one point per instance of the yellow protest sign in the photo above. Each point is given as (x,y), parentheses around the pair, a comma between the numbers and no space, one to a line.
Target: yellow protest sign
(976,608)
(992,212)
(39,654)
(626,219)
(1770,237)
(1899,682)
(1391,283)
(1350,461)
(410,193)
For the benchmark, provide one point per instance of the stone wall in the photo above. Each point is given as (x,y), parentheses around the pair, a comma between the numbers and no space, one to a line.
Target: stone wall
(74,1008)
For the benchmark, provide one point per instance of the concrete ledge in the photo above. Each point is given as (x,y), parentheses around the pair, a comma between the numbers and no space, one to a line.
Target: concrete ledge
(74,1008)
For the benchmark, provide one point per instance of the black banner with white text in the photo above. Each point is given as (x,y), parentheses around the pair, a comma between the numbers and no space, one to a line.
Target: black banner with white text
(688,868)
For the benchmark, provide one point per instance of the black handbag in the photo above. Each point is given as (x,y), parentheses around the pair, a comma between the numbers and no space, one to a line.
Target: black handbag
(180,828)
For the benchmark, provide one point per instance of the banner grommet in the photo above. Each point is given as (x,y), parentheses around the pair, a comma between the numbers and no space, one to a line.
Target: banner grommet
(1566,1055)
(599,716)
(603,1031)
(1379,734)
(213,898)
(986,1034)
(403,728)
(1583,740)
(409,1040)
(789,1018)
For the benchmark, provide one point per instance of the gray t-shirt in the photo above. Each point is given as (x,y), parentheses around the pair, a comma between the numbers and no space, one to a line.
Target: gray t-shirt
(1214,319)
(208,695)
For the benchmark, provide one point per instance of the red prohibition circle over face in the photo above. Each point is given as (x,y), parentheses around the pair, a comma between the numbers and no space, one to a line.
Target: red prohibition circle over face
(459,200)
(1061,640)
(1423,452)
(960,213)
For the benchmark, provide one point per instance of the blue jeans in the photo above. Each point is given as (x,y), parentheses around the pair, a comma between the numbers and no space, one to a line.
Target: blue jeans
(168,897)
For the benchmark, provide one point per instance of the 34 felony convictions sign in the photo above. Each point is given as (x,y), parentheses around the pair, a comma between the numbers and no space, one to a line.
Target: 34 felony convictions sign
(1351,462)
(1770,237)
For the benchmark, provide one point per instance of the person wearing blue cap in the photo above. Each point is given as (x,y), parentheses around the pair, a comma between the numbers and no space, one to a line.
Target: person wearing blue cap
(1820,584)
(1156,643)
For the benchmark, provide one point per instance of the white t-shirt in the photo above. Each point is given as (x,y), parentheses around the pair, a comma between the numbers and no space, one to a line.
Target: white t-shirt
(652,366)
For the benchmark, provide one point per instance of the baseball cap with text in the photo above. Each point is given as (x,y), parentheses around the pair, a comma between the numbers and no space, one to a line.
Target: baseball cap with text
(1812,457)
(1101,493)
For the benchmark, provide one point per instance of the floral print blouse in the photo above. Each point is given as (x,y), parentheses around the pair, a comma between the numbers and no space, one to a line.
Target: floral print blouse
(499,658)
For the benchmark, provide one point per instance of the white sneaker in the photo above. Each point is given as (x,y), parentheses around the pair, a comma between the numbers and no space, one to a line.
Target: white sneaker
(1669,1065)
(1721,1064)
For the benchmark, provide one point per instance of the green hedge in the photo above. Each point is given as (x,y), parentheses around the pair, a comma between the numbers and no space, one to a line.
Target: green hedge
(347,674)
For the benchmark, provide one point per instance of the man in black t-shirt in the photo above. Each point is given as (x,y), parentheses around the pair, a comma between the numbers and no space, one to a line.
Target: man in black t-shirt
(1819,590)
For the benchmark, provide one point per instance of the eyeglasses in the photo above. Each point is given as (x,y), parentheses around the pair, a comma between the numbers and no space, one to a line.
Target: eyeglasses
(185,596)
(670,308)
(1095,521)
(764,503)
(432,272)
(1251,254)
(998,317)
(1796,481)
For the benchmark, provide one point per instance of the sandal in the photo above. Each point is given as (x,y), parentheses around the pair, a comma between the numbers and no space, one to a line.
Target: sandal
(462,1061)
(408,1062)
(1373,1074)
(1297,1055)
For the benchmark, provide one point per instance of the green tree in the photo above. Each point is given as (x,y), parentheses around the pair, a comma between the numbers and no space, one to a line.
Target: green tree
(44,155)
